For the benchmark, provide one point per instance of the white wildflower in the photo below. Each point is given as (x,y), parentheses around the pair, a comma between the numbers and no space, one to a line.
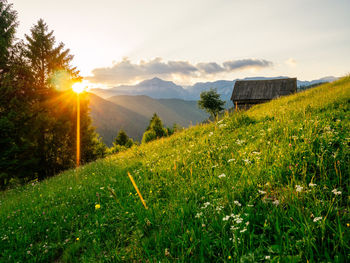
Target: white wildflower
(198,215)
(267,257)
(312,185)
(247,223)
(250,205)
(231,160)
(276,202)
(226,218)
(261,192)
(210,134)
(317,218)
(205,205)
(222,175)
(298,188)
(336,192)
(238,220)
(237,203)
(243,230)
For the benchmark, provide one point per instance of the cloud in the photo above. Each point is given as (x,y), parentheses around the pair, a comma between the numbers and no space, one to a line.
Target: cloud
(291,62)
(210,68)
(127,72)
(246,63)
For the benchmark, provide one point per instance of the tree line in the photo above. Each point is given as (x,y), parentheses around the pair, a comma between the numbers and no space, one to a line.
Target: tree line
(37,107)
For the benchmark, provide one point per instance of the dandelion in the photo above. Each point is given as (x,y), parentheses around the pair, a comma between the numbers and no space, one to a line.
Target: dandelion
(77,239)
(237,203)
(298,188)
(336,192)
(222,175)
(312,185)
(97,206)
(229,257)
(316,219)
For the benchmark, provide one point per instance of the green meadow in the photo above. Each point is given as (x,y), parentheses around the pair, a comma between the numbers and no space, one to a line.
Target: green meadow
(267,185)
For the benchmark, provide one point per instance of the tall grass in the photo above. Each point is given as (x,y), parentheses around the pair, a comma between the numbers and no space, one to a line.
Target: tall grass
(269,184)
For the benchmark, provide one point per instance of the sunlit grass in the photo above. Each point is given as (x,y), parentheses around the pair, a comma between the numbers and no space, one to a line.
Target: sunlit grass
(271,184)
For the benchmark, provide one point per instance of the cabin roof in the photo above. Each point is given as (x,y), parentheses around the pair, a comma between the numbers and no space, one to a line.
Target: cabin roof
(263,89)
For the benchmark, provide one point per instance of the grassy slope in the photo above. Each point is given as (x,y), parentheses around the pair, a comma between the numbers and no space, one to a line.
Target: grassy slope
(195,215)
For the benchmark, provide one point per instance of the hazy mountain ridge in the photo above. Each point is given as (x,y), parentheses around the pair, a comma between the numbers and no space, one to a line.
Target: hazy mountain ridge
(160,89)
(132,113)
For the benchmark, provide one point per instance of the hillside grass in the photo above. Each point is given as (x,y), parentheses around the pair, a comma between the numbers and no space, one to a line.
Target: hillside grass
(269,184)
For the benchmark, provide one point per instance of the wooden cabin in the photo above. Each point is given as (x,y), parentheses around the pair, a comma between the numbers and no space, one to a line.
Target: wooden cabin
(247,93)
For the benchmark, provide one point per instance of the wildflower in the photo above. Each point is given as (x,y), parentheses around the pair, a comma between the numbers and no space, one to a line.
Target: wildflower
(243,230)
(298,188)
(98,206)
(261,192)
(210,134)
(166,252)
(226,218)
(312,185)
(237,203)
(238,220)
(348,224)
(203,225)
(336,192)
(317,218)
(247,224)
(231,160)
(267,257)
(290,145)
(250,205)
(198,215)
(206,204)
(222,175)
(77,239)
(276,202)
(229,257)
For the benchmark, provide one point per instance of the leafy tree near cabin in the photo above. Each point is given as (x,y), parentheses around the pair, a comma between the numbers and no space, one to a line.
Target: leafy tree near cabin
(210,101)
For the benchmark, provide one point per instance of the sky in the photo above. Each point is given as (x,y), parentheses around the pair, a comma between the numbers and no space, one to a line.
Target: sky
(186,41)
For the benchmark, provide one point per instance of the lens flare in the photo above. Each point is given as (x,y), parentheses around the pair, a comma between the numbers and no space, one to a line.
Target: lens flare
(78,87)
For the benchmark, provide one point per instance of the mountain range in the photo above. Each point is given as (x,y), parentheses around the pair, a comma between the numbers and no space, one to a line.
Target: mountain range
(160,89)
(133,113)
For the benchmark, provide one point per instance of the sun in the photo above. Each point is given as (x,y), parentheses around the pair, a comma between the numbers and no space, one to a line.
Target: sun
(78,87)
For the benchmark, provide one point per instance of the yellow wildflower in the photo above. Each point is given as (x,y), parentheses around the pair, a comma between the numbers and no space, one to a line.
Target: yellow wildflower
(229,257)
(77,238)
(98,206)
